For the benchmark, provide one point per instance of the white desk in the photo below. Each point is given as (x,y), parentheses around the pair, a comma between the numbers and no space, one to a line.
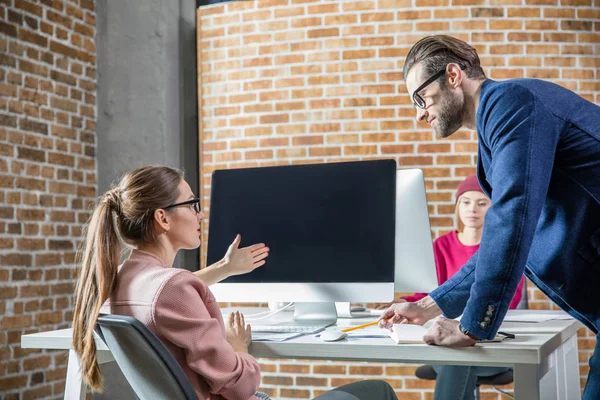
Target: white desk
(544,356)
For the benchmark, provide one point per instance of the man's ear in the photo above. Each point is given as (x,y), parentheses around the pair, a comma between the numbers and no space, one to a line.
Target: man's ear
(162,221)
(455,75)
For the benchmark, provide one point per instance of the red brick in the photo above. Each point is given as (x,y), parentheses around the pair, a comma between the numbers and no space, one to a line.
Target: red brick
(29,7)
(258,154)
(319,33)
(15,322)
(274,118)
(54,317)
(291,153)
(47,259)
(278,380)
(36,363)
(293,368)
(14,382)
(271,142)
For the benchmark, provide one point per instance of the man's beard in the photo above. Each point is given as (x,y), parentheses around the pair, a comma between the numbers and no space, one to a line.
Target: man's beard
(450,116)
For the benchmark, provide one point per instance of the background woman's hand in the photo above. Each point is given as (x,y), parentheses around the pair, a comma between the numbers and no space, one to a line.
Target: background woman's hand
(241,260)
(239,335)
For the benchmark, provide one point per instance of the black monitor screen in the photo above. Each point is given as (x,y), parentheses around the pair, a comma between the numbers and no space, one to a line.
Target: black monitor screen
(323,223)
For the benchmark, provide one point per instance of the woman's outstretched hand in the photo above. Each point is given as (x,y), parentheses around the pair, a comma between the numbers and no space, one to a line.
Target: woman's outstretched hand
(241,260)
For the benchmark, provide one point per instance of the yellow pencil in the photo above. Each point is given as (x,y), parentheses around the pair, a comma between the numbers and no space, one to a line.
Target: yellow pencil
(360,326)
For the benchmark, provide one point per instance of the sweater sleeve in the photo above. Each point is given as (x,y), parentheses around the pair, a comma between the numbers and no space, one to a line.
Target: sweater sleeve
(518,295)
(441,266)
(414,297)
(181,317)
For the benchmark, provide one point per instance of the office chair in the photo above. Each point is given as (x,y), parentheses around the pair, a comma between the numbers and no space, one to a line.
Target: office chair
(428,373)
(149,367)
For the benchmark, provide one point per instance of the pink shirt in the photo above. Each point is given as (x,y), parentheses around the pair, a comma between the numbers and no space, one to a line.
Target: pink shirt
(180,309)
(450,255)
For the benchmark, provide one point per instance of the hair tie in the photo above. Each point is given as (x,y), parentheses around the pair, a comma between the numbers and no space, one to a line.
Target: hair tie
(113,199)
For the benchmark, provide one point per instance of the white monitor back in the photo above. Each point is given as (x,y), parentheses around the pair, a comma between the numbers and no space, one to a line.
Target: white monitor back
(415,264)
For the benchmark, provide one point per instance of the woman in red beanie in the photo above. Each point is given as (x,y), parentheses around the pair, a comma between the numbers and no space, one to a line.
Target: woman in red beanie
(451,252)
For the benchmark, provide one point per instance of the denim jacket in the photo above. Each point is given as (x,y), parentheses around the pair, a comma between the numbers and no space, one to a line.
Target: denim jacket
(539,162)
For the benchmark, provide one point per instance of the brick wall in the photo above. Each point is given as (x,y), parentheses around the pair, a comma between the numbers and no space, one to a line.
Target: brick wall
(47,179)
(309,81)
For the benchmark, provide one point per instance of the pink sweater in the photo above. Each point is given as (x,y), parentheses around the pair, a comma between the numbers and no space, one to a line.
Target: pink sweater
(450,255)
(180,309)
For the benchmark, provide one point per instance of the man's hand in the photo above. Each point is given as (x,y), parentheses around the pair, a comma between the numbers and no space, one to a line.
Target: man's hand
(402,313)
(445,332)
(239,261)
(383,306)
(410,313)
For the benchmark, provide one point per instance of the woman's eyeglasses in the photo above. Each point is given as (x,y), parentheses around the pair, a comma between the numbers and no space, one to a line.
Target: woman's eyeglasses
(195,203)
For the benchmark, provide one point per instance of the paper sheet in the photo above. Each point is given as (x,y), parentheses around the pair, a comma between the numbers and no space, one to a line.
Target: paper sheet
(535,316)
(369,332)
(274,336)
(408,333)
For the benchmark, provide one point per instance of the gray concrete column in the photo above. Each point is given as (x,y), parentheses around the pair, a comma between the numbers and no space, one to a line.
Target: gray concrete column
(147,92)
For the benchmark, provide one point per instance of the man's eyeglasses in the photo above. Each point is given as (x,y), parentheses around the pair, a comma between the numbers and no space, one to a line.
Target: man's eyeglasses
(418,101)
(195,203)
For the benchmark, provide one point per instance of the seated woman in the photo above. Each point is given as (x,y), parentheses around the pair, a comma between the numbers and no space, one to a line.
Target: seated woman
(154,211)
(451,252)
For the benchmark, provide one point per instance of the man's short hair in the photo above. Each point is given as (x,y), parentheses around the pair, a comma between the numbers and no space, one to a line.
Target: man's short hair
(436,52)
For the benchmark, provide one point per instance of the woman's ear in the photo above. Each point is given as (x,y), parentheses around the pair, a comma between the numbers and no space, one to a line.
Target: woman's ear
(162,222)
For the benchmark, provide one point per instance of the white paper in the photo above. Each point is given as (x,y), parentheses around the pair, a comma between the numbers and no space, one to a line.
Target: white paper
(369,332)
(274,336)
(408,333)
(535,316)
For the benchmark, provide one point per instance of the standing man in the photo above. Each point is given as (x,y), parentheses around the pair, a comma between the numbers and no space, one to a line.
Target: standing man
(539,162)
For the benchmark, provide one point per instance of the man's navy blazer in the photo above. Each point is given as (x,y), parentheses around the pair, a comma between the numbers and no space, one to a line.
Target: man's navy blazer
(539,162)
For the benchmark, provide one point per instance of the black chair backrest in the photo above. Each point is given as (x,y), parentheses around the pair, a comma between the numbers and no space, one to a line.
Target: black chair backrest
(149,367)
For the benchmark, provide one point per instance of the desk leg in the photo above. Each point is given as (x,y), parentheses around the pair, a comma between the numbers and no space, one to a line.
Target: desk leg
(527,382)
(74,388)
(568,372)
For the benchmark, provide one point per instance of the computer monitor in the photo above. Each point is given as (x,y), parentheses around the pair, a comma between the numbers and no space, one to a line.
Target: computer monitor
(415,264)
(330,229)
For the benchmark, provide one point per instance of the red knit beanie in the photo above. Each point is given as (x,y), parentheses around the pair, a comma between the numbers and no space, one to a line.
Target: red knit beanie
(469,184)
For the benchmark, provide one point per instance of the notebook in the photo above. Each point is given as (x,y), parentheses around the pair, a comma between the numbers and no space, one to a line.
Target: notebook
(408,333)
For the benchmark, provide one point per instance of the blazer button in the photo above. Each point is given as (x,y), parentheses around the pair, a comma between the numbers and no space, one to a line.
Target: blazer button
(487,319)
(483,325)
(491,308)
(489,313)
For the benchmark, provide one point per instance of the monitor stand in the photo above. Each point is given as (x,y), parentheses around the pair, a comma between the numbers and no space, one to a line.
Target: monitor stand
(344,310)
(315,313)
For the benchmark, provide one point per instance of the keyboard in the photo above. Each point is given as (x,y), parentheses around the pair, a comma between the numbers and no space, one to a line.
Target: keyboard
(287,327)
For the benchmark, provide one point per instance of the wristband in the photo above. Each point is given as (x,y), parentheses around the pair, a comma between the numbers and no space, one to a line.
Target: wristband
(467,333)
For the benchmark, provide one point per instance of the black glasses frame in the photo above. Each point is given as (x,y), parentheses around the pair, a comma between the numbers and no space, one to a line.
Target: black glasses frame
(195,203)
(418,101)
